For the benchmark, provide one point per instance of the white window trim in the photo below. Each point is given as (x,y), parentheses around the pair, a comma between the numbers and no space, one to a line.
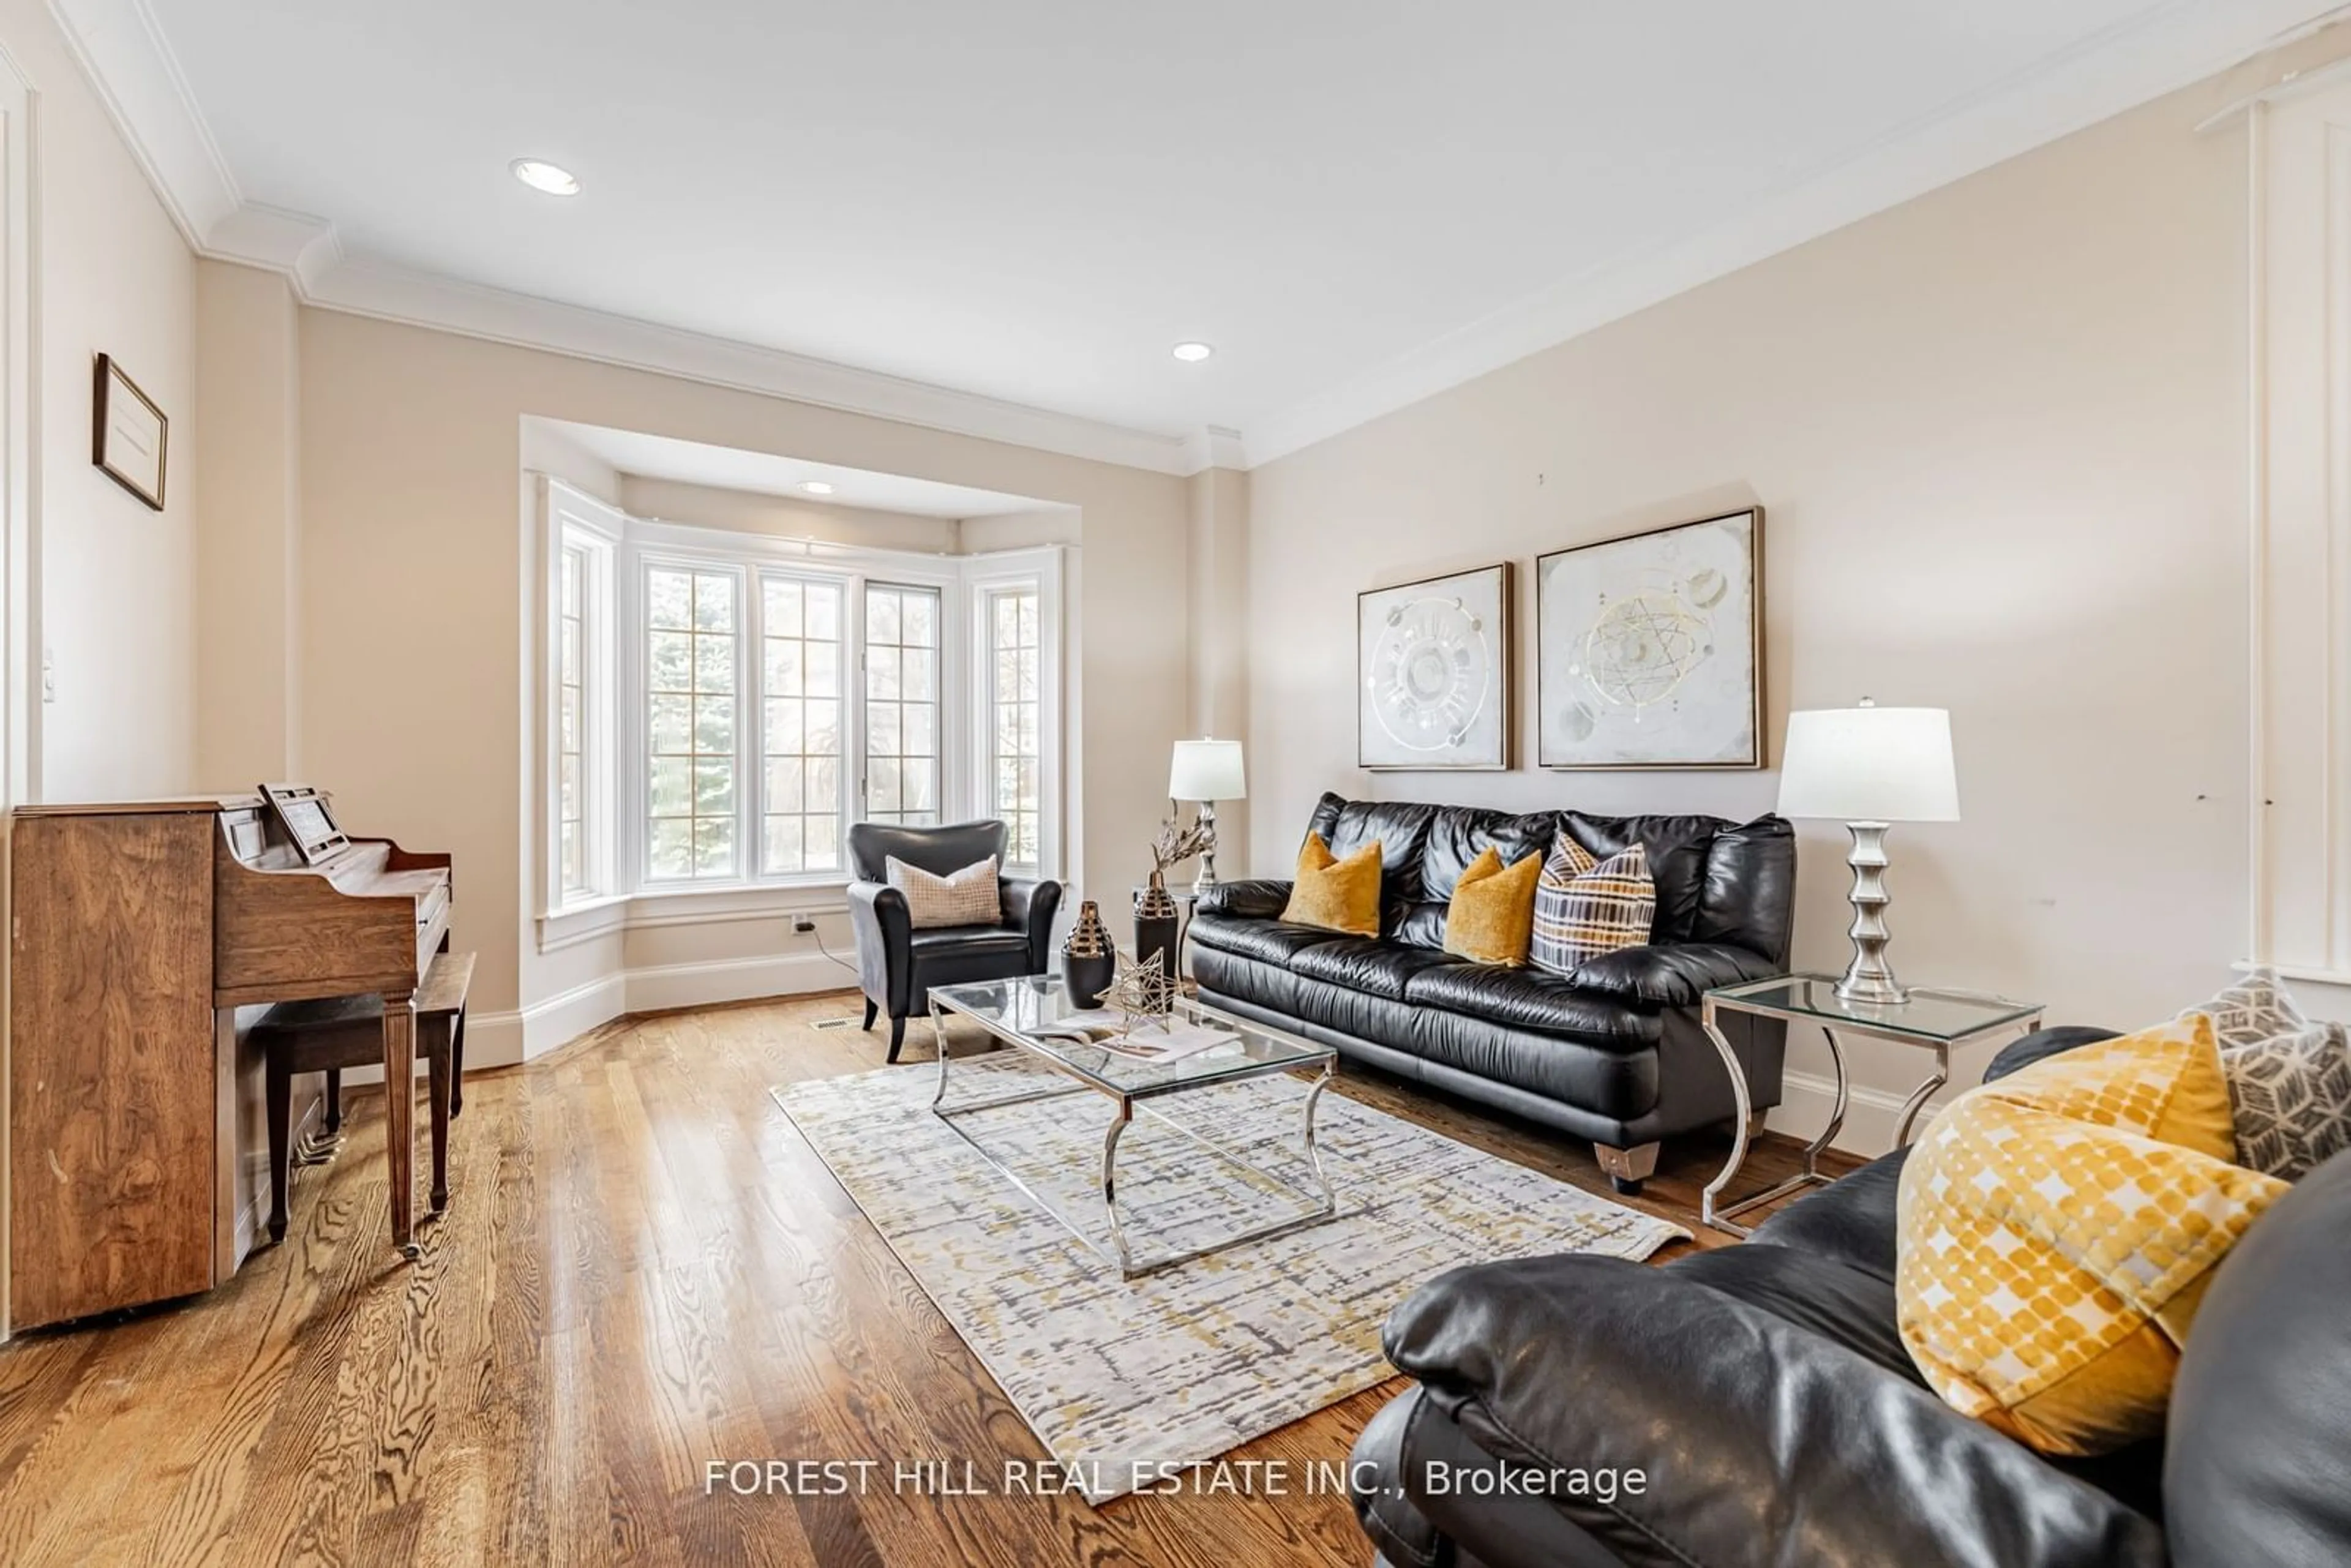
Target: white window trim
(961,583)
(1039,569)
(571,517)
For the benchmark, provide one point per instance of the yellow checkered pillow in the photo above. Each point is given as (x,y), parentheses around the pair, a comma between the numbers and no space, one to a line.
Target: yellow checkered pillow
(2056,1230)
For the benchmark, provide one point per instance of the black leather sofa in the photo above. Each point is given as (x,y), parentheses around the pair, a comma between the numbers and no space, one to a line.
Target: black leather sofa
(1614,1053)
(1763,1394)
(897,965)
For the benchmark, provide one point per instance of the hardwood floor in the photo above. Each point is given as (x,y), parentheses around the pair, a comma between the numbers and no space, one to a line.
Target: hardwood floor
(644,1268)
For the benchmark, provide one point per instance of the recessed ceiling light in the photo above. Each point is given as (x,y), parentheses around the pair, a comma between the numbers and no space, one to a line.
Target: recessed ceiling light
(1193,354)
(816,486)
(541,175)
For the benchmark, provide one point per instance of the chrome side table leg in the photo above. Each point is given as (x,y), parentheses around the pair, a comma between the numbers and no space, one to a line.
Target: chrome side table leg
(1110,1185)
(1836,1112)
(1920,1096)
(1730,1064)
(1723,1217)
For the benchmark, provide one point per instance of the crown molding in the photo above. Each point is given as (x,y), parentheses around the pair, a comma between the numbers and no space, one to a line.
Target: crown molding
(1214,446)
(125,55)
(2158,52)
(473,310)
(121,50)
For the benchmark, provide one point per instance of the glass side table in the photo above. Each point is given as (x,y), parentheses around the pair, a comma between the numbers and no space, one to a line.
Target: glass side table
(1931,1019)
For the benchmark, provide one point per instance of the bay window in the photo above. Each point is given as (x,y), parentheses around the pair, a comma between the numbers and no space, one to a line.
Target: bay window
(769,693)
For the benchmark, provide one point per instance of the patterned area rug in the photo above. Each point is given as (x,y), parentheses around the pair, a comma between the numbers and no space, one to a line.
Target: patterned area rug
(1177,1368)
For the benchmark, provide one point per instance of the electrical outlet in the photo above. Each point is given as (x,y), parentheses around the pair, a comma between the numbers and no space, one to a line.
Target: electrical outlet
(803,925)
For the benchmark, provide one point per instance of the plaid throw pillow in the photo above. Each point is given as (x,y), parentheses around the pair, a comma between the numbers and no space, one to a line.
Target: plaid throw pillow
(1585,907)
(966,897)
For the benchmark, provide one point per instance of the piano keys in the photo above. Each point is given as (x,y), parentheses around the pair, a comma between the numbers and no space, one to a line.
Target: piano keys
(141,930)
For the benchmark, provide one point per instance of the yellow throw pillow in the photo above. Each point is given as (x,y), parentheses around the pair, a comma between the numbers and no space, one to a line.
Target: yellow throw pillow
(2056,1230)
(1491,919)
(1337,894)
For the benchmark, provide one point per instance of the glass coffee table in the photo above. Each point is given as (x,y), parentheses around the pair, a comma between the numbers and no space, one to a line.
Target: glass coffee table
(1929,1020)
(1011,1010)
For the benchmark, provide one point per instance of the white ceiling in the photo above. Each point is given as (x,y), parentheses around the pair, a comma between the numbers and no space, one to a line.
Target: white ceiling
(764,474)
(1355,201)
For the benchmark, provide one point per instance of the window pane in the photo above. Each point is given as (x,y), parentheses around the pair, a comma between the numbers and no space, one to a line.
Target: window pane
(672,846)
(787,732)
(823,669)
(785,775)
(901,630)
(670,666)
(918,784)
(669,599)
(713,664)
(1012,725)
(714,601)
(673,787)
(673,724)
(920,627)
(919,729)
(821,836)
(800,673)
(881,616)
(780,851)
(783,607)
(783,669)
(690,676)
(918,674)
(573,822)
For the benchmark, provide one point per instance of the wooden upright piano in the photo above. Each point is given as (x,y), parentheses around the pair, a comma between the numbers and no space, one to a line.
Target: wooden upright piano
(147,935)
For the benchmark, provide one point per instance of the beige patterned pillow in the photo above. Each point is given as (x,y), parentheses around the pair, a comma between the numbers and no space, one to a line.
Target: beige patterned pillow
(966,897)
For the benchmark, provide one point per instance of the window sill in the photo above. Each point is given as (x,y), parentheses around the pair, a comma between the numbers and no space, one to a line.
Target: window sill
(706,904)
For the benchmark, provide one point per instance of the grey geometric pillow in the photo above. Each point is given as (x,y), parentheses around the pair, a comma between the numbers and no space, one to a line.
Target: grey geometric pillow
(2254,1009)
(2289,1078)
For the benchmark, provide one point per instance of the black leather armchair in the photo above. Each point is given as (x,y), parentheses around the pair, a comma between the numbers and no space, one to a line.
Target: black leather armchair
(1763,1397)
(897,965)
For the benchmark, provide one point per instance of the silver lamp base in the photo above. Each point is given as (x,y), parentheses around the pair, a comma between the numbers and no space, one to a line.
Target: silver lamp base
(1869,978)
(1207,876)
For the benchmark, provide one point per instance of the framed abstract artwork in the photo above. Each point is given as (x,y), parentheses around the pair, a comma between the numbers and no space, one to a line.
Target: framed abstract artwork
(1649,650)
(1433,673)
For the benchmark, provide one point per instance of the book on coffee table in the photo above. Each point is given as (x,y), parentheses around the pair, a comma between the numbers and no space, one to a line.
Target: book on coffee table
(1166,1040)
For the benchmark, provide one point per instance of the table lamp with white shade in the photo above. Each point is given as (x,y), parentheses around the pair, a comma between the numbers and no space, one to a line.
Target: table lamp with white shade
(1208,771)
(1868,767)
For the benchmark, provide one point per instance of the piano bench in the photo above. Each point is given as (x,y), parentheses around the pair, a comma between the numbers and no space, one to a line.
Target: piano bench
(339,1032)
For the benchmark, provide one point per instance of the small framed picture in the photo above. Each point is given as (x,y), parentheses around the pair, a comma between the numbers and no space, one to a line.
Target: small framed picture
(128,434)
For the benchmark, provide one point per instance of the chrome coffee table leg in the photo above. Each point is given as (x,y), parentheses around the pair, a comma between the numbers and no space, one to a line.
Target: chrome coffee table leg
(1110,1184)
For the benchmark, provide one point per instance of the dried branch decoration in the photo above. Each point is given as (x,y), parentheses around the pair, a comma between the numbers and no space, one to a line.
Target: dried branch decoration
(1175,843)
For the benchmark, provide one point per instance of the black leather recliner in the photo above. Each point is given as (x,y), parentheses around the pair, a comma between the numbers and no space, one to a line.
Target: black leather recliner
(1764,1396)
(897,965)
(1614,1052)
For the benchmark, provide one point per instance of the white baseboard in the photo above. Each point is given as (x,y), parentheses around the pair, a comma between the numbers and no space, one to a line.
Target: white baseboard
(1872,1116)
(508,1038)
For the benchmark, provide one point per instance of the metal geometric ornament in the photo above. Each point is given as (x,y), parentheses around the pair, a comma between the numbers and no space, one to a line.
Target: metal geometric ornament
(1143,994)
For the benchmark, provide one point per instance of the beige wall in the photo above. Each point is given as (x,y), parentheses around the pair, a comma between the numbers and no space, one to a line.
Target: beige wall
(117,579)
(248,484)
(708,507)
(417,595)
(2000,435)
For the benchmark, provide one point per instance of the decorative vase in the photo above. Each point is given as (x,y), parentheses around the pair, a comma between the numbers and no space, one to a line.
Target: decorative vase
(1156,929)
(1089,958)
